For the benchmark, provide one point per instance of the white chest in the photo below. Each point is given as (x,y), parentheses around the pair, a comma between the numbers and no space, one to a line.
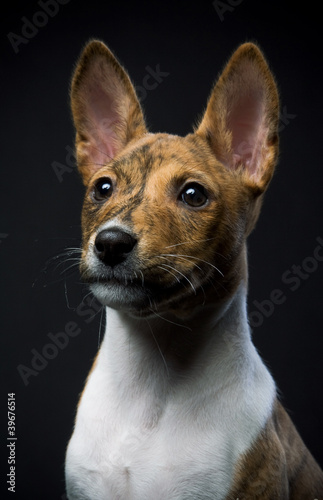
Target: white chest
(139,442)
(113,457)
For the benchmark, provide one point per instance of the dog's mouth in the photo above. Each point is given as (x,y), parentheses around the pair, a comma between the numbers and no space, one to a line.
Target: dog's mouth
(140,293)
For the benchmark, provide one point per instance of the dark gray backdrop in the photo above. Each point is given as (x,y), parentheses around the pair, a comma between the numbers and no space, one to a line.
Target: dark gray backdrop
(41,196)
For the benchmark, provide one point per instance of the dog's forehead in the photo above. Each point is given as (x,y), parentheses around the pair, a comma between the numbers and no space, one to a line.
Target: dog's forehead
(157,152)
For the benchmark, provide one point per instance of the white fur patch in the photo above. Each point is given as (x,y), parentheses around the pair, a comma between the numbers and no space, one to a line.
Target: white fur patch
(152,428)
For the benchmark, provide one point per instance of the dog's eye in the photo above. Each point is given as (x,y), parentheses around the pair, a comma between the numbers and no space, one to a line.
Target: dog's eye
(194,195)
(102,189)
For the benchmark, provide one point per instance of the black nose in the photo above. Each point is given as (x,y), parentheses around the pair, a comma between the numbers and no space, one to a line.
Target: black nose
(112,246)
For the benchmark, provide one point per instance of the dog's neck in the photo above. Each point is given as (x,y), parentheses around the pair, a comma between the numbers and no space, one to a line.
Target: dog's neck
(166,349)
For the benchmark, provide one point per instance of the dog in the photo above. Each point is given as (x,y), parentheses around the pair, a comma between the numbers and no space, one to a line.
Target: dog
(178,404)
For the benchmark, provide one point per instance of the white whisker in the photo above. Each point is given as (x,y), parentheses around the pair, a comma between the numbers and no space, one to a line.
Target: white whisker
(100,328)
(72,259)
(177,279)
(185,277)
(200,260)
(142,278)
(171,322)
(159,349)
(76,264)
(66,297)
(190,241)
(163,255)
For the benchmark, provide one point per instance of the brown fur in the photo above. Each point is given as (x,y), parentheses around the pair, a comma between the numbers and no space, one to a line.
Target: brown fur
(160,223)
(279,466)
(232,154)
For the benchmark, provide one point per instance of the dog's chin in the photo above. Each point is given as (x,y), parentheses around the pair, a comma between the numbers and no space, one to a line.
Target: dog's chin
(127,298)
(136,300)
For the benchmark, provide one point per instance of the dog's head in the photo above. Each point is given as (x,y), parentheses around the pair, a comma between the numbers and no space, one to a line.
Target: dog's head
(165,218)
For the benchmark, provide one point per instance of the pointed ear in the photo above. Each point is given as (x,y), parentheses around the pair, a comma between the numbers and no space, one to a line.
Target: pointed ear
(241,118)
(106,111)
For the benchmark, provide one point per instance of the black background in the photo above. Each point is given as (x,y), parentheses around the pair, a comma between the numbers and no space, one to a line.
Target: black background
(40,213)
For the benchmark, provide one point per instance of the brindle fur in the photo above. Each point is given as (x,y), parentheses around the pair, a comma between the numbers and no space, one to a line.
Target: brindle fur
(206,244)
(293,473)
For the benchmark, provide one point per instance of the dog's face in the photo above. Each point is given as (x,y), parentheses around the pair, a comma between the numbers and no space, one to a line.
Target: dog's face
(165,218)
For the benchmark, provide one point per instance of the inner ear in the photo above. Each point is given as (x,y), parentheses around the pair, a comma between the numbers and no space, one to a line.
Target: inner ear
(100,122)
(241,119)
(246,123)
(106,111)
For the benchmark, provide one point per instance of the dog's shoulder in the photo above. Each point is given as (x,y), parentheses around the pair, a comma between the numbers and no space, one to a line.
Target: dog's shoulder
(278,466)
